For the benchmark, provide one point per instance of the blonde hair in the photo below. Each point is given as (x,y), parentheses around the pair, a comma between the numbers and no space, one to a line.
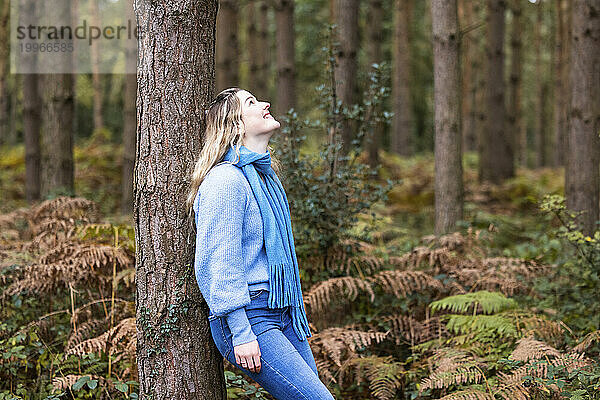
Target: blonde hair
(224,129)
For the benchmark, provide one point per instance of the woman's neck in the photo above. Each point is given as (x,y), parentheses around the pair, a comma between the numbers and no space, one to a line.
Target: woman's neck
(257,144)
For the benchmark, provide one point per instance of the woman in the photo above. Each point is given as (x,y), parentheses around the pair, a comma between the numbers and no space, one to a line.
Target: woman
(245,262)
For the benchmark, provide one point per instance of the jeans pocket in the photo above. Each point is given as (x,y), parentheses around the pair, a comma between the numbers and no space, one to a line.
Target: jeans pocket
(256,293)
(219,335)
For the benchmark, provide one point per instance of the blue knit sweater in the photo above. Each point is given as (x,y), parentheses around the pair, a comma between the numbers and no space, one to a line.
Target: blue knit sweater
(230,258)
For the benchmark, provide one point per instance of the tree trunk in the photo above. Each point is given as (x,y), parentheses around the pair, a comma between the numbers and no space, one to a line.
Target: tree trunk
(5,94)
(447,94)
(176,356)
(538,132)
(31,109)
(515,116)
(374,55)
(346,18)
(478,95)
(95,52)
(402,121)
(263,56)
(254,46)
(227,45)
(285,40)
(57,132)
(466,22)
(129,119)
(561,77)
(497,161)
(582,181)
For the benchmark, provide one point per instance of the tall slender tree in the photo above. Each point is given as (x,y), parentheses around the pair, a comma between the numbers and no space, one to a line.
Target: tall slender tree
(346,18)
(515,110)
(264,55)
(227,44)
(582,180)
(31,108)
(176,356)
(402,121)
(374,43)
(447,110)
(95,52)
(561,81)
(4,65)
(540,126)
(57,115)
(129,118)
(496,161)
(285,47)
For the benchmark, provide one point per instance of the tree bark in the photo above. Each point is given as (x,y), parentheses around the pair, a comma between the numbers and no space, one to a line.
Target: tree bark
(285,47)
(374,55)
(582,181)
(264,56)
(561,78)
(346,18)
(515,111)
(402,121)
(5,95)
(227,45)
(129,118)
(497,160)
(95,52)
(447,111)
(176,356)
(31,110)
(57,133)
(540,121)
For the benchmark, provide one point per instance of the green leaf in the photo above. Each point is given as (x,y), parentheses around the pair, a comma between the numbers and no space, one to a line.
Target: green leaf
(80,382)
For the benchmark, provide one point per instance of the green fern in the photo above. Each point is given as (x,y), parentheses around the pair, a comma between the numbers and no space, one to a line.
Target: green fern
(497,325)
(490,302)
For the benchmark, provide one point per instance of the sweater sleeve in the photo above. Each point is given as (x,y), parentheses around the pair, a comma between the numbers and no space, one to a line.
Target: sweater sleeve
(219,265)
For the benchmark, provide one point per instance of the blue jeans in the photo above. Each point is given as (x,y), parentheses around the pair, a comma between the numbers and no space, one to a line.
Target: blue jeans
(288,370)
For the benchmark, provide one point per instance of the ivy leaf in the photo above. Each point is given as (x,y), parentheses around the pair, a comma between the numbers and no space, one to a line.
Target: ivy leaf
(80,382)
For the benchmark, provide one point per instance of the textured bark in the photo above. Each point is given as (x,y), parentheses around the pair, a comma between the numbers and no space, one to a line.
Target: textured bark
(5,94)
(374,41)
(582,182)
(346,18)
(254,46)
(31,112)
(447,110)
(402,121)
(540,121)
(515,111)
(129,119)
(561,84)
(286,71)
(57,117)
(466,23)
(497,160)
(227,45)
(176,356)
(478,115)
(264,56)
(95,52)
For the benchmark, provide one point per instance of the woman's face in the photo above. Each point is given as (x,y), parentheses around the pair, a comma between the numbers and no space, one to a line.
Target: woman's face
(255,115)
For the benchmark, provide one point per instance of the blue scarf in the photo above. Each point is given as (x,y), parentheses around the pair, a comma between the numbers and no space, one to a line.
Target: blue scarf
(284,277)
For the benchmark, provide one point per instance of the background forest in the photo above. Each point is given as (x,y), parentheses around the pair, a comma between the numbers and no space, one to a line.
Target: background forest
(441,160)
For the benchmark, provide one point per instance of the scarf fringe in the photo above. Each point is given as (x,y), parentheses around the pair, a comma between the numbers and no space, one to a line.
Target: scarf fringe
(284,290)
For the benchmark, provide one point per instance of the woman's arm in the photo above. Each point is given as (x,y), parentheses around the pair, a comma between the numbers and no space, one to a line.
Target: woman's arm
(219,264)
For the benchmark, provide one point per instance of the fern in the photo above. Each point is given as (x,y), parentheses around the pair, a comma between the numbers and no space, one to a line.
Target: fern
(496,325)
(489,302)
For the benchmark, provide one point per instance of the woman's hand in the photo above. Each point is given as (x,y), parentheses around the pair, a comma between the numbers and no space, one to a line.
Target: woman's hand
(247,355)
